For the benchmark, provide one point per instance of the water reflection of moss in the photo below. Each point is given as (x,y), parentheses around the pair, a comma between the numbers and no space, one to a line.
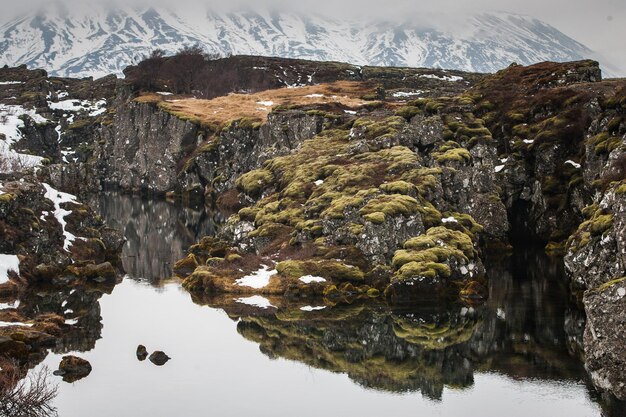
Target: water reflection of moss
(434,335)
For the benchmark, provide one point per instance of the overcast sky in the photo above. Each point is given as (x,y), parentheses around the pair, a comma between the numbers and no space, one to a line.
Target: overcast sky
(598,24)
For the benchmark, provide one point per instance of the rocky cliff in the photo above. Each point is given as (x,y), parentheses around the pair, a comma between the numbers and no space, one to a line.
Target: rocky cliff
(394,185)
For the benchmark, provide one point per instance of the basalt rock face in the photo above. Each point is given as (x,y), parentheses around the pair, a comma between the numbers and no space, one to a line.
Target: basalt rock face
(596,261)
(144,148)
(57,239)
(150,150)
(239,149)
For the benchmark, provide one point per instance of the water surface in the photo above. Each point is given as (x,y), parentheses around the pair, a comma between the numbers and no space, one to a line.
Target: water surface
(516,355)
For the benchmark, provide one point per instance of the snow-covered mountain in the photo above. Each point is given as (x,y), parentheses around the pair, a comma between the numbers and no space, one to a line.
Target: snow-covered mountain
(89,39)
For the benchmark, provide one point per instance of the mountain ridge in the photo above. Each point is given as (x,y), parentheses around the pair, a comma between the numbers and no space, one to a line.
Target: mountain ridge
(92,40)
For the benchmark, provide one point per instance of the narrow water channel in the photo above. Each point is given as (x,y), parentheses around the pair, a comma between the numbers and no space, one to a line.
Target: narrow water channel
(516,355)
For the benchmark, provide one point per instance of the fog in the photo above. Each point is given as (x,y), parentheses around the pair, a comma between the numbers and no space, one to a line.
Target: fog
(599,24)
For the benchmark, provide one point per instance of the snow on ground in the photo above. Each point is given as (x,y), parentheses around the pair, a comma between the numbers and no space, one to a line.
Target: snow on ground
(11,82)
(265,103)
(10,124)
(74,105)
(319,182)
(57,199)
(529,141)
(443,78)
(310,278)
(7,324)
(449,220)
(499,168)
(574,164)
(406,94)
(13,304)
(311,308)
(8,263)
(164,93)
(258,279)
(314,95)
(256,301)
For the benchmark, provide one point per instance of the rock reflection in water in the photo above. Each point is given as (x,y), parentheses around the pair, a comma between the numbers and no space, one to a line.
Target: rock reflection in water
(80,307)
(520,331)
(158,232)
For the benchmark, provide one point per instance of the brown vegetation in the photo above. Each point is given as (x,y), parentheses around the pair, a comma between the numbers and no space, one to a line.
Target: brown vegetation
(254,108)
(31,397)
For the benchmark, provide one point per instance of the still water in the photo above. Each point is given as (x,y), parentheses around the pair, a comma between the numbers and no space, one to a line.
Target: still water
(516,355)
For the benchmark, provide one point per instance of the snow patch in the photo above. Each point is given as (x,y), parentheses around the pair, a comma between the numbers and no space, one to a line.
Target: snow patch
(10,125)
(11,82)
(307,279)
(574,164)
(499,168)
(258,279)
(57,199)
(407,94)
(443,78)
(17,323)
(449,220)
(265,103)
(319,182)
(8,263)
(311,308)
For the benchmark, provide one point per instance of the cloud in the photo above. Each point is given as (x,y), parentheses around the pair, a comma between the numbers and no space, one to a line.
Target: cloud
(599,24)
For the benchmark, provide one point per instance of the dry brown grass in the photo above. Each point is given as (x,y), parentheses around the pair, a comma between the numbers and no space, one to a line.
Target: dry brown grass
(218,112)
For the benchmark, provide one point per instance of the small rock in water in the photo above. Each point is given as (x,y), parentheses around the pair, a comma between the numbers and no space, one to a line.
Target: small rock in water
(73,368)
(159,358)
(142,352)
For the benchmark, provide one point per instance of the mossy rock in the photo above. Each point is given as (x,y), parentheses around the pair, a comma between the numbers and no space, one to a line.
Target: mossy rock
(7,197)
(391,205)
(398,187)
(377,217)
(453,155)
(330,269)
(255,182)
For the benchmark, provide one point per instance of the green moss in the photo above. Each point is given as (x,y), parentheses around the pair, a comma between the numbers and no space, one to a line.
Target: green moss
(376,217)
(456,155)
(429,270)
(599,224)
(6,197)
(248,213)
(621,189)
(210,146)
(408,112)
(398,187)
(609,284)
(391,205)
(604,143)
(80,124)
(438,236)
(376,128)
(338,206)
(329,269)
(373,293)
(254,182)
(356,229)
